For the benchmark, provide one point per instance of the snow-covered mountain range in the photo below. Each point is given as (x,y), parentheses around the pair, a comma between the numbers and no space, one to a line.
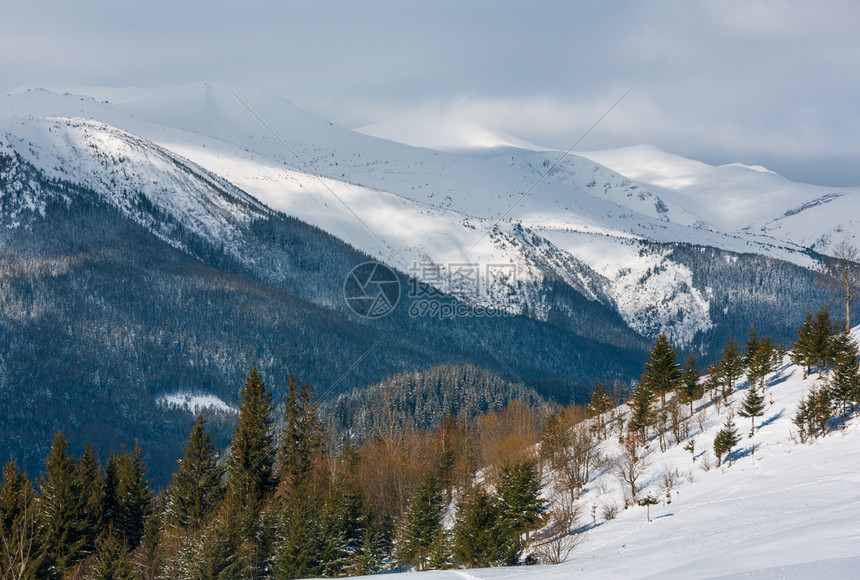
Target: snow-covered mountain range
(596,221)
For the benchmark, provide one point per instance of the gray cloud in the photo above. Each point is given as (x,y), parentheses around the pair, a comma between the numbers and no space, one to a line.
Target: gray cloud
(772,83)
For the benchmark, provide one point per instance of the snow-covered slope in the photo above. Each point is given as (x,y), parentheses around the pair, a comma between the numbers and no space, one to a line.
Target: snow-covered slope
(742,198)
(419,209)
(791,510)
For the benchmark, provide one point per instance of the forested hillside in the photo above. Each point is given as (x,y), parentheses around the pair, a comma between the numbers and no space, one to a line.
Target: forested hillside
(523,484)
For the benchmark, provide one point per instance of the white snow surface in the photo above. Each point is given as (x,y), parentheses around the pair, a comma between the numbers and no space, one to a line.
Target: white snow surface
(414,208)
(195,403)
(791,511)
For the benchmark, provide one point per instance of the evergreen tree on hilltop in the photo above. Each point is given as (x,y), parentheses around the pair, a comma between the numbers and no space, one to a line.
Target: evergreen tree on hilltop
(61,516)
(752,406)
(844,383)
(134,497)
(302,438)
(662,370)
(689,384)
(17,521)
(423,523)
(803,349)
(196,487)
(252,450)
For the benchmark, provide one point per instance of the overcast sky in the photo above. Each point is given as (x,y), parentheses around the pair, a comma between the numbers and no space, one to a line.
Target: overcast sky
(769,83)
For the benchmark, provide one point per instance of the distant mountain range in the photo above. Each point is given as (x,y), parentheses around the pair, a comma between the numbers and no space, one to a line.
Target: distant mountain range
(158,242)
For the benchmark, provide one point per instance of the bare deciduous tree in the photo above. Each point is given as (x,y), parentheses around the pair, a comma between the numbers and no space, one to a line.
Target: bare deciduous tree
(628,469)
(19,548)
(841,275)
(561,536)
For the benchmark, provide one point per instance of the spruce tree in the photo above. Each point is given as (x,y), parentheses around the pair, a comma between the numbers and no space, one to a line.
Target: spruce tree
(844,381)
(752,406)
(300,544)
(662,370)
(600,403)
(640,407)
(301,438)
(751,347)
(110,506)
(803,349)
(731,366)
(726,440)
(480,537)
(62,513)
(761,362)
(519,493)
(423,523)
(823,335)
(689,384)
(196,486)
(90,481)
(252,451)
(112,559)
(134,497)
(554,442)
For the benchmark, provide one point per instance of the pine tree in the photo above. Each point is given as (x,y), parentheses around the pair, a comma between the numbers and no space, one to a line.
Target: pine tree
(62,517)
(752,406)
(761,362)
(751,347)
(712,383)
(803,349)
(110,506)
(112,560)
(17,522)
(600,403)
(823,333)
(302,439)
(844,382)
(423,523)
(726,440)
(90,481)
(134,497)
(639,402)
(299,544)
(480,537)
(554,442)
(662,369)
(731,366)
(689,384)
(252,451)
(196,486)
(519,493)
